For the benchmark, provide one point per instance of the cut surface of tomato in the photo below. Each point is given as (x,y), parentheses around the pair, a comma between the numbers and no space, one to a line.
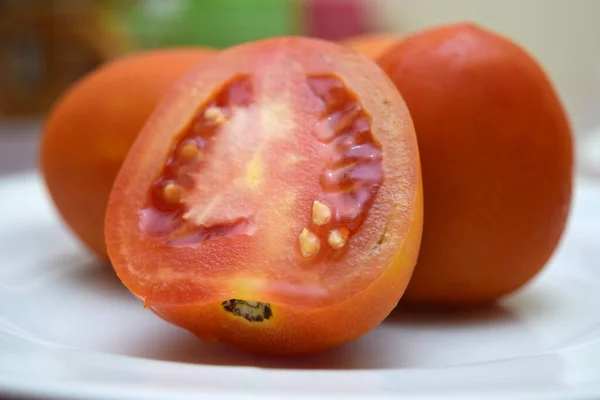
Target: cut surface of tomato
(273,201)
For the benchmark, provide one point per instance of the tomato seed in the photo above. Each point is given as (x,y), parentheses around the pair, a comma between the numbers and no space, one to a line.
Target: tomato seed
(337,238)
(214,114)
(173,192)
(309,243)
(189,152)
(321,214)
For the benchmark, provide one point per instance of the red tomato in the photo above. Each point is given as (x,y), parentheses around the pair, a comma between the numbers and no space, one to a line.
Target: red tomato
(496,147)
(273,201)
(373,45)
(89,131)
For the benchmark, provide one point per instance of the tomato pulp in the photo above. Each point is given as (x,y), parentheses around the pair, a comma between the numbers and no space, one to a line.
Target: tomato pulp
(273,201)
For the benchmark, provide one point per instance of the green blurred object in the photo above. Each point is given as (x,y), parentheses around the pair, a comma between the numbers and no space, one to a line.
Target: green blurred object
(215,23)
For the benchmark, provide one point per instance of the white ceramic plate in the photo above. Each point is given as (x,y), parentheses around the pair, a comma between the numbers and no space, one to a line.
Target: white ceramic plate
(69,329)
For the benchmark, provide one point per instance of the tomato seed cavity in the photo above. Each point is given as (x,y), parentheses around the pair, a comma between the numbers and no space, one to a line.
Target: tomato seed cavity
(165,209)
(354,172)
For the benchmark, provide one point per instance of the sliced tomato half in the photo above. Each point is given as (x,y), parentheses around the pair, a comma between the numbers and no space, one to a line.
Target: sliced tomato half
(273,201)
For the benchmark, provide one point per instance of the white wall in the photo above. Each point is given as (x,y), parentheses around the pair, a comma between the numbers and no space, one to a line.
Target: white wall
(563,35)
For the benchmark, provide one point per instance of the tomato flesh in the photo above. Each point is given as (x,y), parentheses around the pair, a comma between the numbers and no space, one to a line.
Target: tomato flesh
(349,181)
(273,191)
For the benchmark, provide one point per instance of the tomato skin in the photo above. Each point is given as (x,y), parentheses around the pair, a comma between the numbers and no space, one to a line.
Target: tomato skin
(373,45)
(496,150)
(92,126)
(337,301)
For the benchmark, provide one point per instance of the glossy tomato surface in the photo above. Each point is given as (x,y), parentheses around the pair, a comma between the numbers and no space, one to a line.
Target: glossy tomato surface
(91,127)
(497,157)
(373,45)
(273,201)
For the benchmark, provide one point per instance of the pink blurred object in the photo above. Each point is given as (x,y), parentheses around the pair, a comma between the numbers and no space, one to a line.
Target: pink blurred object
(336,19)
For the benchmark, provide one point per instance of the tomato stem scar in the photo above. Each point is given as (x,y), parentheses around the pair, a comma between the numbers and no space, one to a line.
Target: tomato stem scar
(252,311)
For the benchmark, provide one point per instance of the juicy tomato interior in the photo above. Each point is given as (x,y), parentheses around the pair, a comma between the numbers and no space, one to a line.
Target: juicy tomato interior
(265,181)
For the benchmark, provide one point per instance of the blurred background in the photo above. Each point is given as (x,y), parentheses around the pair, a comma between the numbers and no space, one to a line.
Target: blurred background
(46,45)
